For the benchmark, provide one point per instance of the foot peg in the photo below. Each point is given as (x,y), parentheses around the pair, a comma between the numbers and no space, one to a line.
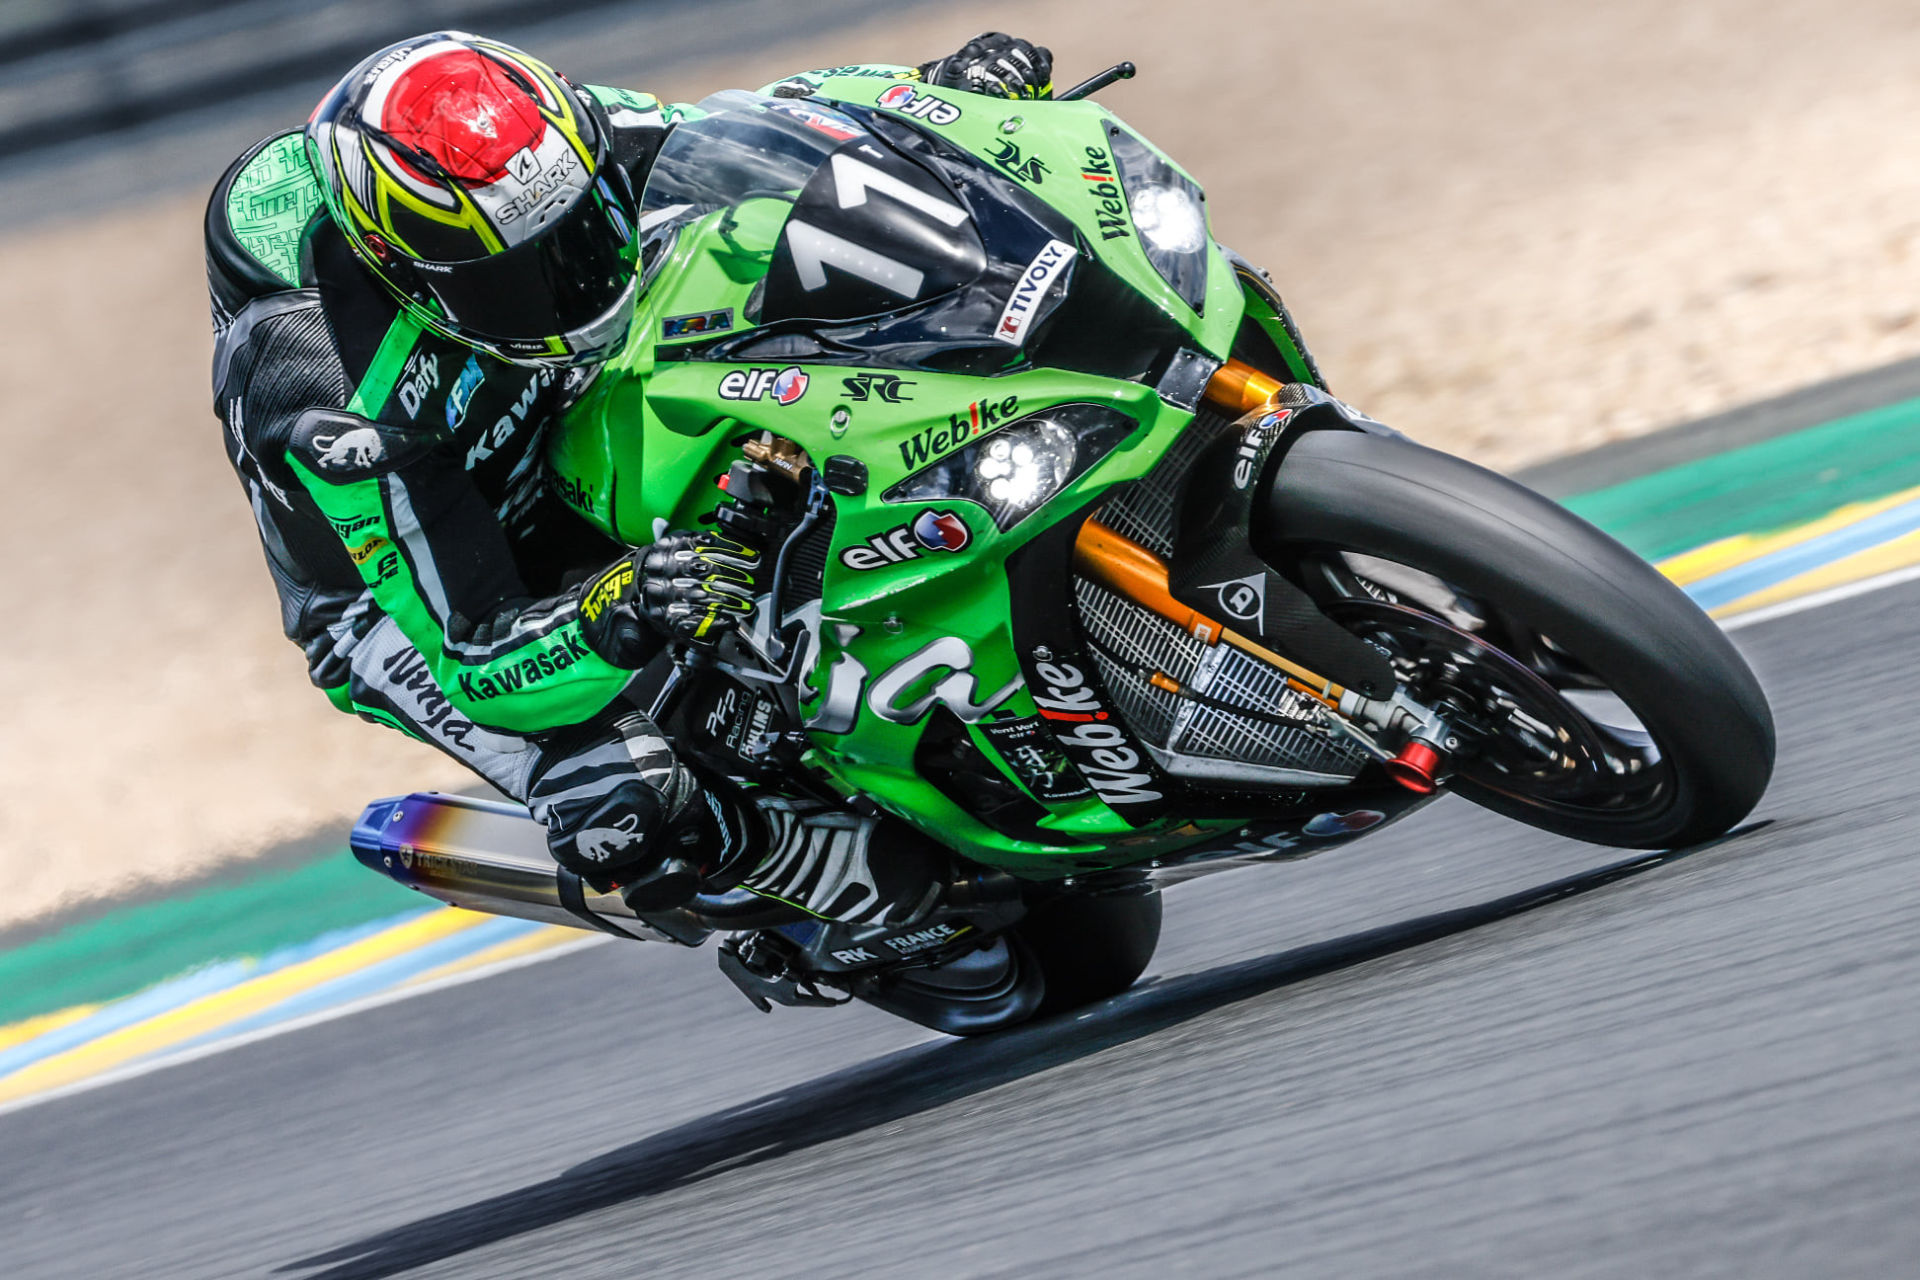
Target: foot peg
(765,980)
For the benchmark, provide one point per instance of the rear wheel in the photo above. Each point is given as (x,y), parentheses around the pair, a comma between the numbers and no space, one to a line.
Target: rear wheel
(1590,696)
(1066,953)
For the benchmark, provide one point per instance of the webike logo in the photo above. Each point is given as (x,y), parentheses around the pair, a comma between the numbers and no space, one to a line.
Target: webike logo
(909,101)
(1024,304)
(1247,456)
(1109,205)
(929,531)
(783,386)
(981,415)
(1088,733)
(884,387)
(528,671)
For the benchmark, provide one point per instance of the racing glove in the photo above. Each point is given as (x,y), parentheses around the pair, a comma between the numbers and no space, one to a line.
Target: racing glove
(687,586)
(996,64)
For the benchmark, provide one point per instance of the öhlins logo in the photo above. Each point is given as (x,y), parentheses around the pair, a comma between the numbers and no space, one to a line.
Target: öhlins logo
(981,415)
(606,590)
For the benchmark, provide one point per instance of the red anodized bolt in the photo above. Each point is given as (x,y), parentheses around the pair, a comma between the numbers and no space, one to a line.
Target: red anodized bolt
(1416,767)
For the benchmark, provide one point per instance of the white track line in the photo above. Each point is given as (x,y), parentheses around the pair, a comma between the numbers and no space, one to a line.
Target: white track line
(136,1069)
(1832,595)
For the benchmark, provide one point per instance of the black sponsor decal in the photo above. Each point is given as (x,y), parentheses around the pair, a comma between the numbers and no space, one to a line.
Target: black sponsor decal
(407,670)
(981,415)
(1041,766)
(884,387)
(1109,204)
(574,493)
(1093,737)
(527,672)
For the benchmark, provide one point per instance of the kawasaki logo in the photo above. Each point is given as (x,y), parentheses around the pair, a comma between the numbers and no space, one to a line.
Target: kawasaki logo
(981,415)
(527,671)
(1083,727)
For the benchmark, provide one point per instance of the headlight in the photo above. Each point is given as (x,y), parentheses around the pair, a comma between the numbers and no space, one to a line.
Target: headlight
(1014,470)
(1170,213)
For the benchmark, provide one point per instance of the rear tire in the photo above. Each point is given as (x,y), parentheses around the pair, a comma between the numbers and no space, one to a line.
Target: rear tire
(1544,567)
(1066,953)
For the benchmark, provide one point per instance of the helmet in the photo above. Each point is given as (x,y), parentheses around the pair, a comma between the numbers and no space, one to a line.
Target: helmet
(474,182)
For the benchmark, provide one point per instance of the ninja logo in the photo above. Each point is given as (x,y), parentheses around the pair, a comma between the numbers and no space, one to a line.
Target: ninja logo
(360,447)
(884,387)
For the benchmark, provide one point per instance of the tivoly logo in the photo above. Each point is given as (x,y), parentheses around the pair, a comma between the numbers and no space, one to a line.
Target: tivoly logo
(1034,282)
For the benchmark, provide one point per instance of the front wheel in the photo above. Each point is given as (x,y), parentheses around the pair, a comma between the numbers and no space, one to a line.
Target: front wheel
(1591,697)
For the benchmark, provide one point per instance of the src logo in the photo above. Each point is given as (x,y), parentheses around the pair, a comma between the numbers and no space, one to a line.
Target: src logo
(876,386)
(930,531)
(1027,168)
(783,386)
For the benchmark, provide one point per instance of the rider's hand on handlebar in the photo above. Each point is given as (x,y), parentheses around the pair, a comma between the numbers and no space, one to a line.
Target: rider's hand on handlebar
(996,64)
(687,586)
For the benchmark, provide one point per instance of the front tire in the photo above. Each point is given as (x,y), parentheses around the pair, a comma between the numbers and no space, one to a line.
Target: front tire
(1568,603)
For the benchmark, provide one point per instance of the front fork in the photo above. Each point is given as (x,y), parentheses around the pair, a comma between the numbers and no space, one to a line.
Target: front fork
(1420,738)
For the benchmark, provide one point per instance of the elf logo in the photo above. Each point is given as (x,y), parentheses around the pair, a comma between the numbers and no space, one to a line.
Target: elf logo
(909,101)
(1099,748)
(784,386)
(981,415)
(1247,456)
(929,531)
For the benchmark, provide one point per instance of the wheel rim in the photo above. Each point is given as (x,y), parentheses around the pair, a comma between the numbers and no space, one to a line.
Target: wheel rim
(1540,730)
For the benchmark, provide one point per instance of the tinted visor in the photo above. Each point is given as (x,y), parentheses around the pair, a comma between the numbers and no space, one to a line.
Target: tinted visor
(567,276)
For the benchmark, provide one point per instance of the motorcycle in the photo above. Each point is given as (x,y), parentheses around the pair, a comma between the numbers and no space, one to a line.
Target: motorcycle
(1078,568)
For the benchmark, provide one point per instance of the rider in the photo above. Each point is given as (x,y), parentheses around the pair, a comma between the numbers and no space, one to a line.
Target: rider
(404,298)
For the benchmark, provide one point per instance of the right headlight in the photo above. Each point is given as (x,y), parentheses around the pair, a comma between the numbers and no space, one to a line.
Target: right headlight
(1014,470)
(1170,213)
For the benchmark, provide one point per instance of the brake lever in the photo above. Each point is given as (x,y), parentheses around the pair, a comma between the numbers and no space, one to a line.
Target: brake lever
(1087,88)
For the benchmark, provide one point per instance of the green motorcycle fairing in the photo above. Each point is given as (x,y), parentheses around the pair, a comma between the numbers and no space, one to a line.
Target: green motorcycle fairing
(912,626)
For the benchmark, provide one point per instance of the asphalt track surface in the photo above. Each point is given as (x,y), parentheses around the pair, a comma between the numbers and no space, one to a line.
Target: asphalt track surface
(1457,1048)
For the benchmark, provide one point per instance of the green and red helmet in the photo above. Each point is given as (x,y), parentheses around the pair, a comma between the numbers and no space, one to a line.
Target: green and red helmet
(474,182)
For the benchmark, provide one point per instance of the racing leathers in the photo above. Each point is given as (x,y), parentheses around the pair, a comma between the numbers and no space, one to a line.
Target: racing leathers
(434,575)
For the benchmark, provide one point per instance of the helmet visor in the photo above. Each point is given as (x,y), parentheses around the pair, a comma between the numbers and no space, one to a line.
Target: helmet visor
(564,279)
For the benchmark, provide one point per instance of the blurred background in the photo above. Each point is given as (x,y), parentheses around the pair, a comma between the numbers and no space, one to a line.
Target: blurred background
(1515,230)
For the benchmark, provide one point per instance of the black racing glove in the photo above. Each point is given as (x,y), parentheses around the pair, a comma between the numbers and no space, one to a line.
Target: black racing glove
(687,586)
(996,64)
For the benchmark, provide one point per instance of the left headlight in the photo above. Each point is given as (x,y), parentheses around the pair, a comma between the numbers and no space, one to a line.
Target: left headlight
(1170,212)
(1014,470)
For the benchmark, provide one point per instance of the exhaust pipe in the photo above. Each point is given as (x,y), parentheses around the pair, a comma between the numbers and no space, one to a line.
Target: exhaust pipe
(484,855)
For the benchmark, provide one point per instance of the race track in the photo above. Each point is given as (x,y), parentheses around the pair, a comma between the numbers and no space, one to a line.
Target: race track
(1404,1058)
